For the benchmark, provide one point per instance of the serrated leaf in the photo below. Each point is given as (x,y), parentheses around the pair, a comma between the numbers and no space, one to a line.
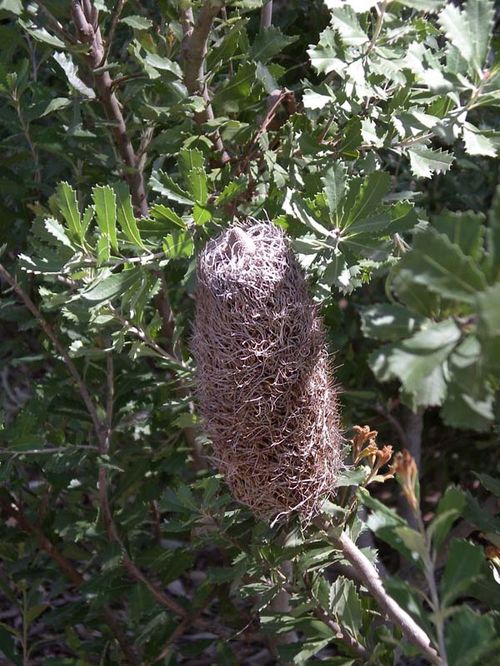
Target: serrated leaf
(201,215)
(56,230)
(412,539)
(346,22)
(295,206)
(454,24)
(493,236)
(268,43)
(190,159)
(418,363)
(441,266)
(464,229)
(66,63)
(384,321)
(137,22)
(66,200)
(425,161)
(161,212)
(334,185)
(196,182)
(488,307)
(163,184)
(345,603)
(477,143)
(491,483)
(463,564)
(470,636)
(479,15)
(323,56)
(314,100)
(111,286)
(362,200)
(126,217)
(105,209)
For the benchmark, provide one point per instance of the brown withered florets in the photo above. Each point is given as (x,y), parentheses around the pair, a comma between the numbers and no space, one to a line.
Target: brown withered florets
(264,384)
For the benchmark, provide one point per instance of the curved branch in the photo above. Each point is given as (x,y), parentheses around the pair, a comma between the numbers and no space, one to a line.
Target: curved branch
(370,578)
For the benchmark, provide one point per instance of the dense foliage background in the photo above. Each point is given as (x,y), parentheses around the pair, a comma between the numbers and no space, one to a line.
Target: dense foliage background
(131,132)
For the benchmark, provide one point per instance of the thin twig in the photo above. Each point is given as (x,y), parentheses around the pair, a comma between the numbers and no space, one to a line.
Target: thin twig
(47,329)
(341,634)
(12,509)
(194,50)
(85,18)
(115,17)
(378,25)
(373,583)
(266,15)
(102,435)
(56,26)
(144,337)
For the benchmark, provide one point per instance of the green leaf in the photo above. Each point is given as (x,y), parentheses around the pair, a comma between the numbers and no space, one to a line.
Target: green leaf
(463,410)
(442,267)
(488,307)
(389,322)
(126,217)
(418,363)
(346,22)
(8,645)
(425,161)
(464,229)
(479,16)
(111,286)
(196,182)
(297,207)
(323,56)
(412,539)
(345,603)
(105,209)
(454,24)
(268,43)
(163,213)
(477,143)
(469,637)
(137,22)
(463,565)
(55,104)
(56,230)
(490,483)
(66,200)
(201,215)
(163,64)
(423,5)
(103,249)
(363,198)
(449,508)
(384,522)
(190,159)
(493,236)
(334,185)
(163,184)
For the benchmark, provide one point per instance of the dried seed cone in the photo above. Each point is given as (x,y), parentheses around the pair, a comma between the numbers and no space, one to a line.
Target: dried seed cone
(264,388)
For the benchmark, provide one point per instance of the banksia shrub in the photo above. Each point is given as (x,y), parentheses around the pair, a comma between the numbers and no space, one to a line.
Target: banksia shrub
(264,387)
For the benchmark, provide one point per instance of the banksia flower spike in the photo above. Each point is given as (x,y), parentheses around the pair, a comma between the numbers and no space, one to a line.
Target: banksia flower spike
(264,386)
